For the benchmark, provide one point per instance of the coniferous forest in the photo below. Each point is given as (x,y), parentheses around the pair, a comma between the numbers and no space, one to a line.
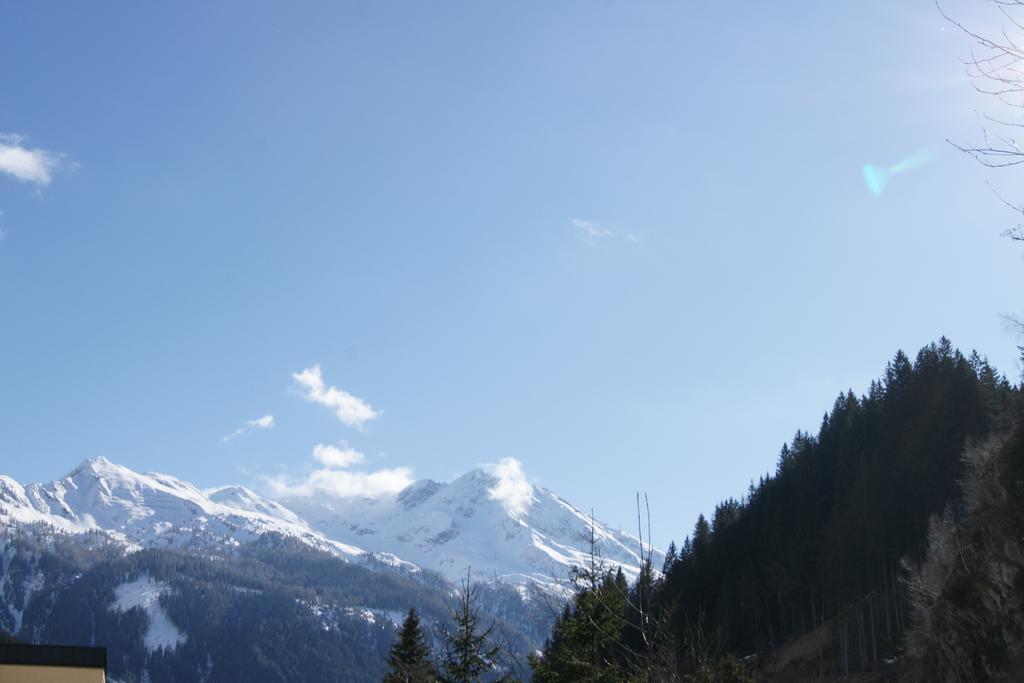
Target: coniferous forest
(273,611)
(887,545)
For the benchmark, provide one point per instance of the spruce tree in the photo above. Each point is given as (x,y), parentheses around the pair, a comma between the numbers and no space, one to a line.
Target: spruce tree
(469,653)
(588,643)
(410,657)
(671,555)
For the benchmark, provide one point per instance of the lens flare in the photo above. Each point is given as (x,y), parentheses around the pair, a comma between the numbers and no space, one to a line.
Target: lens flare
(877,178)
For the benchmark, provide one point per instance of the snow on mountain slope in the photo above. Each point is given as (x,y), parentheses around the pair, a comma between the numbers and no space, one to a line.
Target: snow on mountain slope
(144,592)
(152,510)
(16,588)
(489,520)
(509,531)
(241,498)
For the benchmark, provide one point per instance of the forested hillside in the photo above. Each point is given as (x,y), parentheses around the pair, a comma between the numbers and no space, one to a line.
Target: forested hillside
(274,610)
(809,573)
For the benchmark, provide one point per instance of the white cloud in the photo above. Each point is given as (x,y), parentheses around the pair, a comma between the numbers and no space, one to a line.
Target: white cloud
(630,237)
(342,483)
(334,479)
(351,410)
(337,457)
(512,490)
(592,229)
(265,422)
(29,165)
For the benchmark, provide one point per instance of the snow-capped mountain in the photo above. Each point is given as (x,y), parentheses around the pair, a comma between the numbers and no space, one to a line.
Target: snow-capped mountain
(527,535)
(470,524)
(152,510)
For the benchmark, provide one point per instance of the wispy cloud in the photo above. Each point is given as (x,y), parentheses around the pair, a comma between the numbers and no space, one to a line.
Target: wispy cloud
(32,165)
(341,456)
(332,476)
(342,483)
(592,229)
(512,489)
(350,410)
(28,164)
(334,479)
(265,422)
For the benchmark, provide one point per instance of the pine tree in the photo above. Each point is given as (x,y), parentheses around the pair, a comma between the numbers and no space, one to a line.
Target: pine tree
(701,536)
(588,643)
(671,555)
(469,653)
(410,657)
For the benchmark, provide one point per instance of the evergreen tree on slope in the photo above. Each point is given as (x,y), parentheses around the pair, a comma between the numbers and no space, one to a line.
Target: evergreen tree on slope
(410,657)
(469,653)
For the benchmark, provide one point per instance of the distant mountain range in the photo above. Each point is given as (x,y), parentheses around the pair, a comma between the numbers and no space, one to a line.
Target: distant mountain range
(161,571)
(448,528)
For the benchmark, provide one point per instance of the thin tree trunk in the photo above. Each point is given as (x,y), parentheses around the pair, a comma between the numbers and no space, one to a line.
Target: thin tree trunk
(874,637)
(886,601)
(844,645)
(862,645)
(768,619)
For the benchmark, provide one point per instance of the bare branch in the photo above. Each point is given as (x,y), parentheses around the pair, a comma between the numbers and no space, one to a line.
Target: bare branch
(996,65)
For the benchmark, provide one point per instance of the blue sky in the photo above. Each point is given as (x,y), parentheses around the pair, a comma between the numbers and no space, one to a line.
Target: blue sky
(627,244)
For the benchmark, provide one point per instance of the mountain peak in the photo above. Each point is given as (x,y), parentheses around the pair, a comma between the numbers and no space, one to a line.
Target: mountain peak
(229,490)
(503,482)
(491,519)
(98,462)
(97,466)
(149,509)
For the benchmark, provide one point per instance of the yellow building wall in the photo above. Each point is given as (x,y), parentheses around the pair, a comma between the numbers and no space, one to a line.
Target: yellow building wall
(24,673)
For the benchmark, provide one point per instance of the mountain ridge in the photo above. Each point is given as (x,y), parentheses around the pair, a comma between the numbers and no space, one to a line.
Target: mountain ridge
(524,535)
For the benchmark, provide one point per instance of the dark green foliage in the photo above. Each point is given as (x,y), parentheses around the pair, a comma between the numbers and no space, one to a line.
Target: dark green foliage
(274,610)
(726,669)
(409,661)
(470,653)
(823,537)
(244,621)
(671,555)
(814,550)
(586,642)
